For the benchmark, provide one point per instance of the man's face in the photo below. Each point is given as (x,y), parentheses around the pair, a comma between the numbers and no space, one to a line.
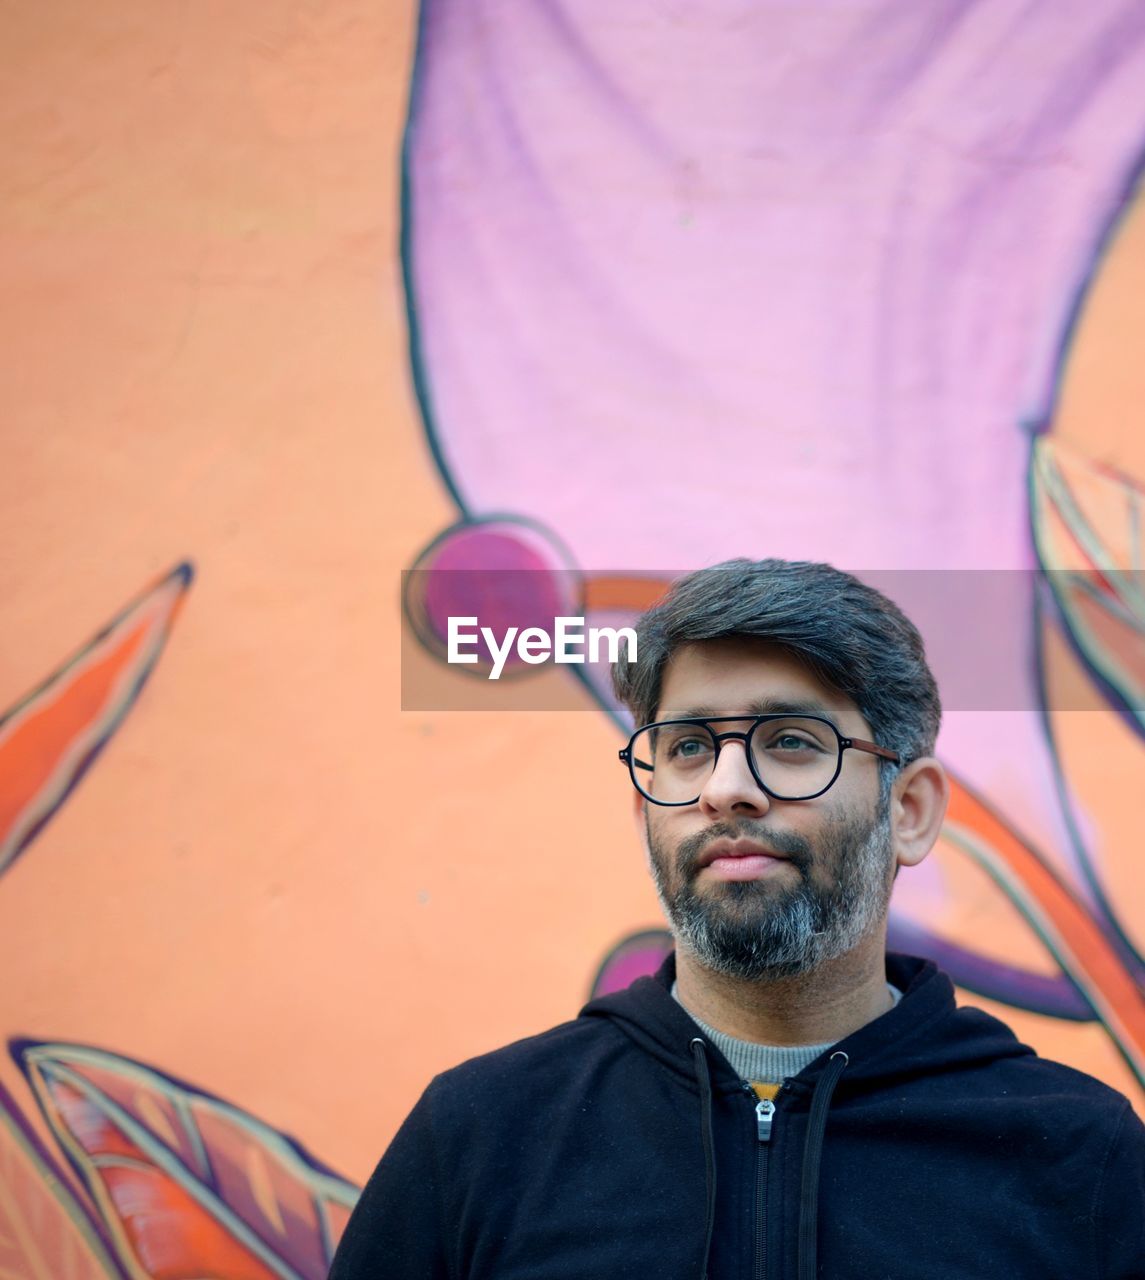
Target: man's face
(755,887)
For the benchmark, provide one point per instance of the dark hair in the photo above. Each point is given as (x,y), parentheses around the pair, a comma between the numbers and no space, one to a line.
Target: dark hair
(851,636)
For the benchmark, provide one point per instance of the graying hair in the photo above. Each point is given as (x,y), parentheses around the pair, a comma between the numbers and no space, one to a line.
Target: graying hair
(852,637)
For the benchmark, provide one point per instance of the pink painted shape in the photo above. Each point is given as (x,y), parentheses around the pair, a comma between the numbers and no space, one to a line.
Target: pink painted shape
(754,280)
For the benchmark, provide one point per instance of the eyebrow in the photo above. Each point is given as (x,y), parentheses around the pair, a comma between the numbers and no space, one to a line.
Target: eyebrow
(758,707)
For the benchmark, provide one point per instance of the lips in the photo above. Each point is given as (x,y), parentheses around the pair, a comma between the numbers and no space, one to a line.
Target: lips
(727,850)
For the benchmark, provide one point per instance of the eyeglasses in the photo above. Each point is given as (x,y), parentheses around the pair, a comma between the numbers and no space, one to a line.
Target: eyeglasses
(790,757)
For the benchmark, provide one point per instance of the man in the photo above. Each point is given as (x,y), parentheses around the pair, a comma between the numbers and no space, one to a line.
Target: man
(783,1099)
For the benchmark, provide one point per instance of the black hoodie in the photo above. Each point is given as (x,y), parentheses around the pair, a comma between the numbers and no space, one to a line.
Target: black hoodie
(930,1143)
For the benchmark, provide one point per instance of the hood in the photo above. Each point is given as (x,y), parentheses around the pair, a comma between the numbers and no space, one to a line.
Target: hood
(924,1034)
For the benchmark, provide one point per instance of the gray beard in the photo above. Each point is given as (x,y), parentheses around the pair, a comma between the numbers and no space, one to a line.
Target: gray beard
(753,930)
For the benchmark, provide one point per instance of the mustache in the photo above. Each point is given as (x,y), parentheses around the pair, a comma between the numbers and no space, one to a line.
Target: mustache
(785,843)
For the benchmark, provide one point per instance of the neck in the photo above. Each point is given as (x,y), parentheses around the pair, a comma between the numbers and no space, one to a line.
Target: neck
(837,998)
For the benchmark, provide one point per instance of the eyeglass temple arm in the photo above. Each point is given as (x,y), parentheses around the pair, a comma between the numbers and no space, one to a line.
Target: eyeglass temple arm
(627,757)
(861,744)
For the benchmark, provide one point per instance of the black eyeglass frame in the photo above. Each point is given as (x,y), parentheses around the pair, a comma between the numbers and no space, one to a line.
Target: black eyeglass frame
(858,744)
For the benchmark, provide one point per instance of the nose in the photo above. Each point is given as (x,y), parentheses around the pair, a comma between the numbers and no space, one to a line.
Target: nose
(731,789)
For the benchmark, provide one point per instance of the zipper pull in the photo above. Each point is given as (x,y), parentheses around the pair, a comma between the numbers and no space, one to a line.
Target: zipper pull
(764,1113)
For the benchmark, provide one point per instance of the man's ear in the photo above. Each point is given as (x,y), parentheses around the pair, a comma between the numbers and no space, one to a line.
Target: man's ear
(918,806)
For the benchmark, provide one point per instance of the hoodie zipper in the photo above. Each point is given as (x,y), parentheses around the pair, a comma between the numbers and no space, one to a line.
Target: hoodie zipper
(764,1119)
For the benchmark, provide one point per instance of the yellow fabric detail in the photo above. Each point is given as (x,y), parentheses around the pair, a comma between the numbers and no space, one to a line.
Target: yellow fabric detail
(763,1090)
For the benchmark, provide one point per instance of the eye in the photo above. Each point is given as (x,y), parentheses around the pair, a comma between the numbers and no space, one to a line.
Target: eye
(791,739)
(695,747)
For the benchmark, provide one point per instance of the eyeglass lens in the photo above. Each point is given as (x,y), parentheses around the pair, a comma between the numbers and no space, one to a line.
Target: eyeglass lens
(795,758)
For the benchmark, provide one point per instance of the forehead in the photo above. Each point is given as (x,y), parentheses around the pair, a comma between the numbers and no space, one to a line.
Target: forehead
(745,675)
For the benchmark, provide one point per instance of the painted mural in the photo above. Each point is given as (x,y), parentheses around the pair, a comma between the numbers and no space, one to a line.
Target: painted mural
(308,296)
(172,1181)
(818,314)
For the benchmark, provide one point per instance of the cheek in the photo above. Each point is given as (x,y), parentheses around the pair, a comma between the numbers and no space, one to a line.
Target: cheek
(662,836)
(823,831)
(652,830)
(663,822)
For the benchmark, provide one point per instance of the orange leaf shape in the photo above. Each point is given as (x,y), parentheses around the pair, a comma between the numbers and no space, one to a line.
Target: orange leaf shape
(44,1234)
(1074,938)
(48,741)
(1087,523)
(1101,757)
(187,1184)
(628,593)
